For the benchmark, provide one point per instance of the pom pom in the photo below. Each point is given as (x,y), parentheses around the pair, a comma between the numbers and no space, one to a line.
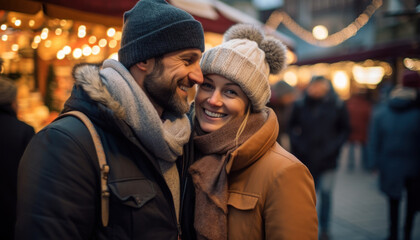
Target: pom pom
(275,54)
(244,31)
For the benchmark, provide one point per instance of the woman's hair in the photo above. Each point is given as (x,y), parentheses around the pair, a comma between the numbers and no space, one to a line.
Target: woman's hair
(243,125)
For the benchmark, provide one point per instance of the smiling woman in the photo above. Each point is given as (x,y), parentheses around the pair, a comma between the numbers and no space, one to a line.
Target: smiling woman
(219,101)
(246,185)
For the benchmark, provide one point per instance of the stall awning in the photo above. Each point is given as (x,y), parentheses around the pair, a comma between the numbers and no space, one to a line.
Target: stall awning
(214,15)
(408,48)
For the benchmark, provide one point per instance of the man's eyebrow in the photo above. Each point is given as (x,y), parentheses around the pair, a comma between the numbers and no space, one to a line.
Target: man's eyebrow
(190,54)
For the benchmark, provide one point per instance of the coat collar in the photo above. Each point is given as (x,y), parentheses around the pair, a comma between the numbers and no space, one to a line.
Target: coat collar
(256,146)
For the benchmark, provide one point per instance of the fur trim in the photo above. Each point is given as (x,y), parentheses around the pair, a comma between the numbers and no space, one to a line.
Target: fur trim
(244,31)
(275,54)
(87,76)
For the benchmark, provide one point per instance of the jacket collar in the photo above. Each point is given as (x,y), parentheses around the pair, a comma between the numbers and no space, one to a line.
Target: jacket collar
(256,146)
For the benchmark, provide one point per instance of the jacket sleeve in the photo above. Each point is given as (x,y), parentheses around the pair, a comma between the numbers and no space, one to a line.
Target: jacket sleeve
(290,211)
(56,188)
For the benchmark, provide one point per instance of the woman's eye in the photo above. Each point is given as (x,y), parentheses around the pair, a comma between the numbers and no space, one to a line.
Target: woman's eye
(231,92)
(206,86)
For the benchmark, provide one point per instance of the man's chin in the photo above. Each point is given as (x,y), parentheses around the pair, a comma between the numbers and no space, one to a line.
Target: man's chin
(178,108)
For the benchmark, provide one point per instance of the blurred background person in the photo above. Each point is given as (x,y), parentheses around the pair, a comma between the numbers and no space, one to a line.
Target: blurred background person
(359,108)
(393,146)
(282,97)
(14,136)
(318,127)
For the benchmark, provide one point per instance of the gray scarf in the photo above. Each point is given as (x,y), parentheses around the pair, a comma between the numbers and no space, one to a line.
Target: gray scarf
(164,137)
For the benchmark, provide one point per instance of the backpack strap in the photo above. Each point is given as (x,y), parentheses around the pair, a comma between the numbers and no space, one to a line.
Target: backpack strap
(103,166)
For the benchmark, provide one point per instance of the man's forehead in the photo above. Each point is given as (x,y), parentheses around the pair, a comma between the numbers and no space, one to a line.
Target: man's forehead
(191,52)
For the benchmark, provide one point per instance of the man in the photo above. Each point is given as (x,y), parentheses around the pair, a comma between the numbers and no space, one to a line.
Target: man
(319,126)
(282,98)
(14,137)
(393,148)
(138,106)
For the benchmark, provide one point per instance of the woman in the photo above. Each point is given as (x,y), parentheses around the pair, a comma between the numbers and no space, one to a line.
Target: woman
(246,185)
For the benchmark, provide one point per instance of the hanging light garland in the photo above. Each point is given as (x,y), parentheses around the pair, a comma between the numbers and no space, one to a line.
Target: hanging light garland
(337,38)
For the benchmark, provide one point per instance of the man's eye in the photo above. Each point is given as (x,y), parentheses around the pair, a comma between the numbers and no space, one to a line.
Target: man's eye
(188,61)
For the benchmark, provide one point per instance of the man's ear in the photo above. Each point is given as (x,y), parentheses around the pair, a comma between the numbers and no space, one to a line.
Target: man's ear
(146,66)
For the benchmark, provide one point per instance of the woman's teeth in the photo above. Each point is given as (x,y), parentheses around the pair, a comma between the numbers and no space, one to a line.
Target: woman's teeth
(184,88)
(213,114)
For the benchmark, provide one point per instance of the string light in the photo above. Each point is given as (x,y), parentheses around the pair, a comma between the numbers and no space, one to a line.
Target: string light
(92,39)
(37,39)
(18,22)
(67,50)
(103,42)
(113,43)
(60,54)
(337,38)
(58,32)
(15,47)
(77,53)
(96,50)
(110,32)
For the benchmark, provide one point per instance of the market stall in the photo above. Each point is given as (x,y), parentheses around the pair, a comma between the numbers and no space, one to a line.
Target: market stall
(42,40)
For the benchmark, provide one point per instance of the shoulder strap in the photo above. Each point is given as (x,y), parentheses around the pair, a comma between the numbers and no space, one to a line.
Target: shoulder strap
(103,166)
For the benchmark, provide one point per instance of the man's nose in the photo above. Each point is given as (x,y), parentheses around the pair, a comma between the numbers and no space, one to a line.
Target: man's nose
(196,75)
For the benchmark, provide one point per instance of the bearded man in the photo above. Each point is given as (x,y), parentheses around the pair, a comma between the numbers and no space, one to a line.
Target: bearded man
(137,105)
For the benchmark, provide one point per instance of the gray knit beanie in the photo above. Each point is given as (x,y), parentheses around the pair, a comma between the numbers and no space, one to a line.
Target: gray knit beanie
(8,91)
(153,28)
(247,57)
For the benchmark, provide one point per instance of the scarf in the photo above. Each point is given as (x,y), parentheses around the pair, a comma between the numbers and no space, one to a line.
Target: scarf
(210,177)
(164,137)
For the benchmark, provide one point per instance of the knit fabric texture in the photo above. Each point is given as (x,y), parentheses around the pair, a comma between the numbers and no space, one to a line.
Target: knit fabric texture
(241,61)
(247,58)
(153,28)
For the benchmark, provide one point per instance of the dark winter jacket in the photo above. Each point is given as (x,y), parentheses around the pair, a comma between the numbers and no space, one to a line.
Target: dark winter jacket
(14,136)
(60,169)
(393,144)
(318,129)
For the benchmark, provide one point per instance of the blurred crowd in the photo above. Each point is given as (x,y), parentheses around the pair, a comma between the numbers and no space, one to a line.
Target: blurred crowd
(315,124)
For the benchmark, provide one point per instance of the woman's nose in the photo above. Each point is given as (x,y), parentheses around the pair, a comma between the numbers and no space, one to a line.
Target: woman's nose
(215,99)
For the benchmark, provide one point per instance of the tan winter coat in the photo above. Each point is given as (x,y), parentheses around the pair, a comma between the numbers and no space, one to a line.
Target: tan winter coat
(271,193)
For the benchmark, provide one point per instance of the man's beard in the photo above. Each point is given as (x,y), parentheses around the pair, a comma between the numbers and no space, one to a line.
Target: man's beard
(163,91)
